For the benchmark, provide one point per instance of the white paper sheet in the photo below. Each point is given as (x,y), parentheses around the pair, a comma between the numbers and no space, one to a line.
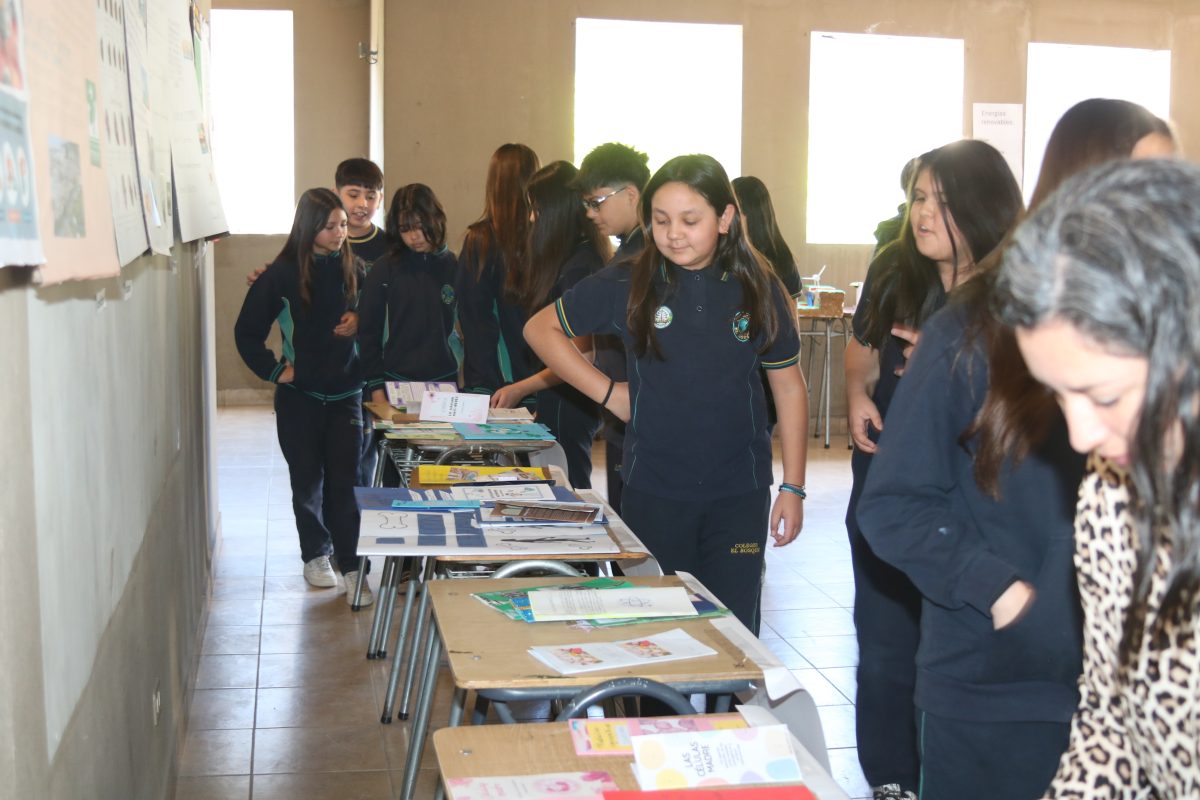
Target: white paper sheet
(454,407)
(646,601)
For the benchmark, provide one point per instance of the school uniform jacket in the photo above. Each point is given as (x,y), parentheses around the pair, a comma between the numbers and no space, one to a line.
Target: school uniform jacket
(370,248)
(923,512)
(698,427)
(325,366)
(406,318)
(491,326)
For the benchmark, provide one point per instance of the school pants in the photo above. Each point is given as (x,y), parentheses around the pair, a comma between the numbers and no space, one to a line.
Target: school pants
(574,420)
(887,622)
(718,540)
(321,442)
(988,760)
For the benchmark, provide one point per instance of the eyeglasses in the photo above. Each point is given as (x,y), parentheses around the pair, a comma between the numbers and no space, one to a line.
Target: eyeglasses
(594,203)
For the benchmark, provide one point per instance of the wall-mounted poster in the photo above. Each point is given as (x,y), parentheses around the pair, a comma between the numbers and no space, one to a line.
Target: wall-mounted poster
(67,121)
(19,240)
(145,40)
(117,137)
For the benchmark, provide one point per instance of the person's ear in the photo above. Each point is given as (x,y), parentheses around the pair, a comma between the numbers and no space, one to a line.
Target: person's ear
(726,219)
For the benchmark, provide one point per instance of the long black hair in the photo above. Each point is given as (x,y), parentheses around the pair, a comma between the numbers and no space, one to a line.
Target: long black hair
(416,206)
(979,193)
(559,226)
(761,226)
(1115,253)
(734,254)
(312,214)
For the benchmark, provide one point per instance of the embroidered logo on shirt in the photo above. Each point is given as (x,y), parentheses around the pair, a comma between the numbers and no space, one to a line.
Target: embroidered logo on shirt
(663,317)
(741,327)
(447,294)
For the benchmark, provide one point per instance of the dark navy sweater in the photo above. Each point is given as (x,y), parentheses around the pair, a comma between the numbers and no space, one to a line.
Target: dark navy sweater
(325,366)
(406,318)
(922,511)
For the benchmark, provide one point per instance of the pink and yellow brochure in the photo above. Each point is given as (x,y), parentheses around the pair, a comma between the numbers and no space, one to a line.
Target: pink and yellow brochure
(612,737)
(715,758)
(550,786)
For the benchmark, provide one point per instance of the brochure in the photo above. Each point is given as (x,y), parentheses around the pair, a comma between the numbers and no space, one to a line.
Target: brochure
(454,407)
(702,606)
(489,492)
(735,793)
(516,432)
(668,601)
(715,758)
(534,512)
(551,786)
(572,659)
(503,601)
(408,394)
(612,737)
(436,474)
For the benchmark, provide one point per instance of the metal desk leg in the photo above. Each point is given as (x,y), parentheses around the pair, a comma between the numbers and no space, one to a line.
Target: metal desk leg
(826,378)
(381,461)
(456,714)
(424,615)
(386,588)
(398,659)
(362,576)
(420,723)
(399,570)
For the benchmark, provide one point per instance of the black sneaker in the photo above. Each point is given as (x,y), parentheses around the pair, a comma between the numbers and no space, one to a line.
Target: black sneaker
(892,791)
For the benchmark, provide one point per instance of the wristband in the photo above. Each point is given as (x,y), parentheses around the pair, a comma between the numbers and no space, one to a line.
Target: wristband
(611,383)
(792,488)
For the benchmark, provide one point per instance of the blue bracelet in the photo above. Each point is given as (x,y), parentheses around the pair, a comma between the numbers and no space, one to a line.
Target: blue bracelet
(792,488)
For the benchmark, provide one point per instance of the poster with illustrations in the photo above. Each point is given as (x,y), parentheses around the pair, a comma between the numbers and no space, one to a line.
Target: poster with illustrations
(117,138)
(145,36)
(20,243)
(195,180)
(67,130)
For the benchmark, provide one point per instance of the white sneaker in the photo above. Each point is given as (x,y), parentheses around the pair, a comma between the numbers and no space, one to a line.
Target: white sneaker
(367,597)
(319,573)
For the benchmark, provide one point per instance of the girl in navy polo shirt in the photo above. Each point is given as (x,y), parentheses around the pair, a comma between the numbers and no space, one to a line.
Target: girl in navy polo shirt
(311,289)
(699,313)
(407,310)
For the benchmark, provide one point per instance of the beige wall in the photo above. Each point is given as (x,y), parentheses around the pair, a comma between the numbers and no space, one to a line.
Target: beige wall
(463,76)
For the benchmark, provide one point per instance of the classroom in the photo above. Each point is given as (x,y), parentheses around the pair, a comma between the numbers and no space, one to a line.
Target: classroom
(119,506)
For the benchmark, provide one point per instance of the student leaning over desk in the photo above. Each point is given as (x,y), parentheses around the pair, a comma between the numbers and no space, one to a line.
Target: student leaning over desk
(699,313)
(406,315)
(311,289)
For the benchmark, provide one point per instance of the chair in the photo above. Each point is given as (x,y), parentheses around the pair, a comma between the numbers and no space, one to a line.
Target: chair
(623,687)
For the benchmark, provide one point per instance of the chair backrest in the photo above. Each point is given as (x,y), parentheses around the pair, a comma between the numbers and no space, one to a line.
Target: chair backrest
(515,569)
(624,687)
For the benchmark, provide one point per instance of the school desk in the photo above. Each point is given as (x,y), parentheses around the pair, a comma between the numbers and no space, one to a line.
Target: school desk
(475,751)
(487,655)
(628,551)
(821,322)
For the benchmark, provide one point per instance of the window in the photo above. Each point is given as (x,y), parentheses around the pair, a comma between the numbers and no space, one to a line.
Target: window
(874,102)
(1060,75)
(665,88)
(253,137)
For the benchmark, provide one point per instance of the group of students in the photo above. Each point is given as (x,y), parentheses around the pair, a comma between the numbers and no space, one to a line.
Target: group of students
(1025,620)
(974,532)
(536,310)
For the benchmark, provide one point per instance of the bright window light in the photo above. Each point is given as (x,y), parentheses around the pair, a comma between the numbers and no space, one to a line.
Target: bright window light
(1060,75)
(253,135)
(618,61)
(874,102)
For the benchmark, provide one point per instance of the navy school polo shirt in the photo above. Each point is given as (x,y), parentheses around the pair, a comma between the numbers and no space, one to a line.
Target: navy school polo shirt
(699,416)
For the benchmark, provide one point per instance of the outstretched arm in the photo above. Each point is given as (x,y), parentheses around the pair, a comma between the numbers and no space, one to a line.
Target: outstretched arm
(791,407)
(546,336)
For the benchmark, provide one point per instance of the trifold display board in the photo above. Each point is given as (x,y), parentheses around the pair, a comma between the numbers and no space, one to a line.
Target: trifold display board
(103,102)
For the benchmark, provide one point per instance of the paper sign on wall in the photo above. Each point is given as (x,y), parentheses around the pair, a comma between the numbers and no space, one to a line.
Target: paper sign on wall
(1002,125)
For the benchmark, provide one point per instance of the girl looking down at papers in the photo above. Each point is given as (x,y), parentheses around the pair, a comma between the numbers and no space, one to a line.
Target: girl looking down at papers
(699,312)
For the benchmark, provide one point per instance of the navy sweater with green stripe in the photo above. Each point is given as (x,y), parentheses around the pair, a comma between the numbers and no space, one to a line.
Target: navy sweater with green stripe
(325,365)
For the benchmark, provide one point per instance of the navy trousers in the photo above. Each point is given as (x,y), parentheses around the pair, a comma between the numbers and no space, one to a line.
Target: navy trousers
(718,540)
(887,621)
(988,760)
(321,442)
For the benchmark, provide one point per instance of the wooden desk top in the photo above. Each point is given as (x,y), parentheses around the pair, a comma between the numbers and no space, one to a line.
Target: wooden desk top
(488,651)
(545,747)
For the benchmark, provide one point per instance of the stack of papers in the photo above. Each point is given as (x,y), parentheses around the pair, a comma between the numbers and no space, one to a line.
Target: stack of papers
(552,605)
(716,758)
(409,394)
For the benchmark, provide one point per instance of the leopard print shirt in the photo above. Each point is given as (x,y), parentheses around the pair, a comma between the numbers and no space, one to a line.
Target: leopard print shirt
(1135,737)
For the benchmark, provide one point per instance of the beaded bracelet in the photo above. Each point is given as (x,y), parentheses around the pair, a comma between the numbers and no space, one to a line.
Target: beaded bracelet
(611,383)
(792,488)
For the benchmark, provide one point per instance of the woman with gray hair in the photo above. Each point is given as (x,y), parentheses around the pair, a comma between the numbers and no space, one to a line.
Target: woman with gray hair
(1102,285)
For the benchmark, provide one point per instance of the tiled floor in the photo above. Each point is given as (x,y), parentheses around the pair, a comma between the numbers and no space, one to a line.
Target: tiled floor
(287,706)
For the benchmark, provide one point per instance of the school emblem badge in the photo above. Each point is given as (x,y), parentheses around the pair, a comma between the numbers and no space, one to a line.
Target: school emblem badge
(663,317)
(741,327)
(447,294)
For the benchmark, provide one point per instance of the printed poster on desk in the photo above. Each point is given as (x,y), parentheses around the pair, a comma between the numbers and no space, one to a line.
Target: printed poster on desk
(20,243)
(550,786)
(716,758)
